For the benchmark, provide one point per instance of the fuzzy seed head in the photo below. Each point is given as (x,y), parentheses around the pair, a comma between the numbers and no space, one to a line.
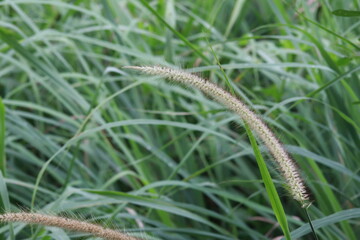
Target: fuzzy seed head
(287,166)
(65,223)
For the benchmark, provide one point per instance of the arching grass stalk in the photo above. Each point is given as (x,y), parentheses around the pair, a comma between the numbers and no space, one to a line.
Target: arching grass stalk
(65,223)
(287,166)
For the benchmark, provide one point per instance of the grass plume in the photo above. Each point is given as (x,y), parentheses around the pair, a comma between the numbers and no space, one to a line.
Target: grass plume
(287,165)
(65,223)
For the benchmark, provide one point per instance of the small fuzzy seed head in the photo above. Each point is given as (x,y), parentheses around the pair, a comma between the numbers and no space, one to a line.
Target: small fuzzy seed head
(286,164)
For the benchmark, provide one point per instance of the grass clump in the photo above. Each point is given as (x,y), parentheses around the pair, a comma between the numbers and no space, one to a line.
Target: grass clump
(83,135)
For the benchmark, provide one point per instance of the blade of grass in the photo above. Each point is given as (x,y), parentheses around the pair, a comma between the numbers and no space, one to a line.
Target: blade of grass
(157,204)
(335,80)
(2,138)
(187,42)
(270,187)
(234,15)
(346,13)
(326,85)
(326,221)
(5,203)
(7,37)
(329,31)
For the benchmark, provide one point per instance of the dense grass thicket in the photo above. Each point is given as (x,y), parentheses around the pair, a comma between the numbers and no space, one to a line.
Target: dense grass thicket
(83,137)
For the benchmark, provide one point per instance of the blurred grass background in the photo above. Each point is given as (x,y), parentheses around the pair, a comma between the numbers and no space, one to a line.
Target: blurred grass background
(85,137)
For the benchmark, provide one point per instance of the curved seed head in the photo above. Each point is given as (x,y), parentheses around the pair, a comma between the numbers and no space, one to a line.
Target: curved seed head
(65,223)
(287,166)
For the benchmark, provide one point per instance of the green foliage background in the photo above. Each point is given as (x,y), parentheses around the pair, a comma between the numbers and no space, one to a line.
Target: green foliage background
(85,137)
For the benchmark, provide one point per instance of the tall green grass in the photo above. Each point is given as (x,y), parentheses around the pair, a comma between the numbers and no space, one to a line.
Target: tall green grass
(87,138)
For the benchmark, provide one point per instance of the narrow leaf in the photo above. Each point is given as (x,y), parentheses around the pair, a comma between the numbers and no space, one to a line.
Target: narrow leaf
(2,138)
(346,13)
(326,221)
(269,186)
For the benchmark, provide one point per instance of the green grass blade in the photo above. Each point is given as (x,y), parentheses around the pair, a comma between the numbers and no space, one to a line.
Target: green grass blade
(187,42)
(156,204)
(346,13)
(326,221)
(270,187)
(5,203)
(2,138)
(335,80)
(331,32)
(7,37)
(236,11)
